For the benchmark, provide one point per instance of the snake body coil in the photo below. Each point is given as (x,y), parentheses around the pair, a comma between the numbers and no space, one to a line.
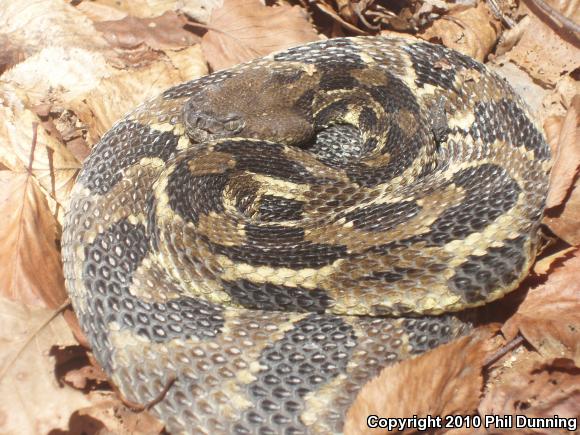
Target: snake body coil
(274,234)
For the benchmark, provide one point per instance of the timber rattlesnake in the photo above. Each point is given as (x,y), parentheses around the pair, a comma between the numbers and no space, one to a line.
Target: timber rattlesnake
(274,234)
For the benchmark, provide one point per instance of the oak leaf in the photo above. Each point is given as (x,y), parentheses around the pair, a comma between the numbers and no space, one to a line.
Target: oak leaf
(242,30)
(447,380)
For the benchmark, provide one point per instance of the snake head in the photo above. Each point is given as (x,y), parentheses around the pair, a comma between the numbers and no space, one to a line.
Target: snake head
(203,125)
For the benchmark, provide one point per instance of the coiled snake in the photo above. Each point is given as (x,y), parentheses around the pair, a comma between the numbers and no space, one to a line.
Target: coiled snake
(274,234)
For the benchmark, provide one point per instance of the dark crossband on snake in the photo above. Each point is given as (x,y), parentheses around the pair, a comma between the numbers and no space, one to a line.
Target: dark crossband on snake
(272,235)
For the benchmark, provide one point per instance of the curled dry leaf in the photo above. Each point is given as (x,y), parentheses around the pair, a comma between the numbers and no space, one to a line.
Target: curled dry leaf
(547,264)
(160,33)
(510,37)
(327,9)
(471,31)
(549,317)
(447,380)
(242,30)
(563,202)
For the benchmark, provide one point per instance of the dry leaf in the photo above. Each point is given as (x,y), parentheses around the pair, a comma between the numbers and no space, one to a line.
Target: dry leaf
(444,381)
(142,8)
(242,30)
(57,73)
(510,37)
(522,83)
(30,268)
(76,367)
(189,62)
(541,51)
(54,167)
(329,10)
(31,401)
(549,317)
(471,31)
(198,10)
(110,416)
(160,33)
(13,51)
(100,11)
(547,264)
(113,98)
(563,202)
(567,158)
(535,390)
(48,23)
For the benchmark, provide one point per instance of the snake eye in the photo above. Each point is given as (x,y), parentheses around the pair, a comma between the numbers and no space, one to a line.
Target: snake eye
(233,124)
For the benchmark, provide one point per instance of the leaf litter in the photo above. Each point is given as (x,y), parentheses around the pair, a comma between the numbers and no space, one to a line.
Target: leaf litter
(75,68)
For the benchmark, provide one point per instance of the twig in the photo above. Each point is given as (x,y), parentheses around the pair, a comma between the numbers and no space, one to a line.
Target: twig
(33,146)
(564,21)
(495,357)
(138,407)
(496,10)
(357,10)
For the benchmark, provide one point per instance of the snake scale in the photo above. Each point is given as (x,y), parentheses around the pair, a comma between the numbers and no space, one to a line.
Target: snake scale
(274,234)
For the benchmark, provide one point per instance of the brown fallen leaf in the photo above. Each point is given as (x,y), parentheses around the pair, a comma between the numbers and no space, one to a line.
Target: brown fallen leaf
(50,23)
(30,267)
(567,155)
(110,101)
(471,31)
(563,202)
(547,264)
(12,52)
(543,51)
(53,166)
(528,387)
(31,400)
(447,380)
(549,317)
(242,30)
(111,417)
(160,33)
(76,367)
(346,18)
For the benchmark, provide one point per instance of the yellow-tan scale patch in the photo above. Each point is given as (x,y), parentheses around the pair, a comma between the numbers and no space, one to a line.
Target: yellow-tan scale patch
(176,252)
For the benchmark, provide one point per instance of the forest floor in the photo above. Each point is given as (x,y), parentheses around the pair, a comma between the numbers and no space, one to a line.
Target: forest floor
(70,69)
